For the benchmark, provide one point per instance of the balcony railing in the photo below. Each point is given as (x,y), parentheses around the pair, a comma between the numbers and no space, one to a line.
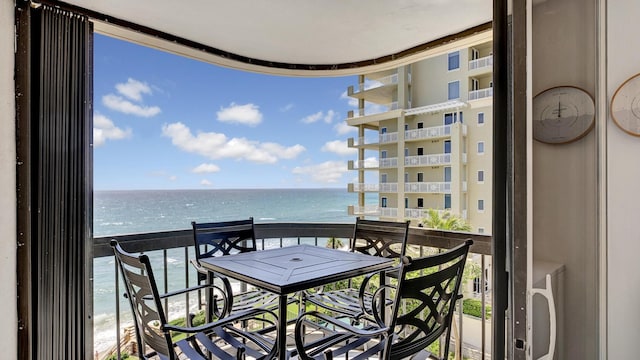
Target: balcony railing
(428,160)
(428,187)
(428,133)
(171,251)
(372,110)
(480,94)
(483,62)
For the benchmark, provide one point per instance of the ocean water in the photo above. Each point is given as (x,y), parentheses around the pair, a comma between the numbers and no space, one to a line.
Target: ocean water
(130,212)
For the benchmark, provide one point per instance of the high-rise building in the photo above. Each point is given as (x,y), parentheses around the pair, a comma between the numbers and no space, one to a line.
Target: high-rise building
(425,137)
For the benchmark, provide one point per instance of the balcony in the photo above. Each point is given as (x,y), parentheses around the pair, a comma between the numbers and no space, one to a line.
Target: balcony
(373,110)
(428,187)
(427,160)
(172,250)
(481,63)
(433,132)
(480,94)
(363,164)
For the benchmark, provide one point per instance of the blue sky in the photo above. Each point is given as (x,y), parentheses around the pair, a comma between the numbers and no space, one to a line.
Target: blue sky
(162,121)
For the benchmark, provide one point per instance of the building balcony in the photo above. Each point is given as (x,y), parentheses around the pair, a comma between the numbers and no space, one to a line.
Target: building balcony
(433,132)
(480,94)
(373,110)
(173,251)
(373,141)
(428,187)
(364,164)
(482,63)
(428,160)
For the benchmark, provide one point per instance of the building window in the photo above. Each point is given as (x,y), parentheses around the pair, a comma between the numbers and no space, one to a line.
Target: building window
(383,202)
(475,54)
(420,177)
(383,154)
(420,125)
(406,127)
(481,118)
(480,147)
(420,203)
(447,146)
(383,178)
(454,90)
(454,61)
(480,205)
(480,230)
(447,174)
(475,84)
(480,176)
(406,152)
(406,177)
(450,118)
(383,130)
(406,203)
(447,201)
(420,151)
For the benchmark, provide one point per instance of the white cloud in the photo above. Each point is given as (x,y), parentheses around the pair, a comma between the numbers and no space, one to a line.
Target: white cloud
(206,168)
(173,178)
(205,182)
(371,162)
(339,147)
(327,118)
(117,103)
(104,129)
(286,108)
(247,114)
(133,89)
(342,128)
(326,173)
(217,146)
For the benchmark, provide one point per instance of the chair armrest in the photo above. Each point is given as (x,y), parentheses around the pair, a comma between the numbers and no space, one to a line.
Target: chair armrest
(244,315)
(366,332)
(365,283)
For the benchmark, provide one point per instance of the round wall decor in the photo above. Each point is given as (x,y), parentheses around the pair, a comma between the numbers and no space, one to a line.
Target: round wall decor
(625,106)
(562,114)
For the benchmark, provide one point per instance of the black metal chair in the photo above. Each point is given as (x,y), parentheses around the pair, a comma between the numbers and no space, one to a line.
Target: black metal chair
(372,237)
(424,301)
(226,238)
(214,340)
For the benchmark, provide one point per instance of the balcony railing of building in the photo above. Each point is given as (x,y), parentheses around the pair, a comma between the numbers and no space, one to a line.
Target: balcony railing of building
(363,164)
(428,160)
(428,187)
(480,94)
(432,132)
(171,252)
(483,62)
(372,110)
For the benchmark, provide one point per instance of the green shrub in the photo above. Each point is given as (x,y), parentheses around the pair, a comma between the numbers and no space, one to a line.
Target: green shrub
(473,307)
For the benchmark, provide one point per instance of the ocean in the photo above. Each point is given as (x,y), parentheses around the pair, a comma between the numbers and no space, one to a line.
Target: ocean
(139,211)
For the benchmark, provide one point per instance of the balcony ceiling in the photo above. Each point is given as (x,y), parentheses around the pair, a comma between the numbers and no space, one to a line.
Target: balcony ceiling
(294,37)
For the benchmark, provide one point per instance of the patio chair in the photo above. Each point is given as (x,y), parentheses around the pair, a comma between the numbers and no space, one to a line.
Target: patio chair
(219,339)
(372,237)
(424,301)
(226,238)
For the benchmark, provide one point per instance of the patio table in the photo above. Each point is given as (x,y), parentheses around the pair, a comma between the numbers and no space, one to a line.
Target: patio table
(287,270)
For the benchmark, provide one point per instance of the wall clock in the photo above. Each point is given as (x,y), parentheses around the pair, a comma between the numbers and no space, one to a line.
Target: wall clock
(562,114)
(625,106)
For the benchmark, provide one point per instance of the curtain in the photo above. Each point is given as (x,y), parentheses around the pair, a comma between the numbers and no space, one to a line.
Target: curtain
(59,187)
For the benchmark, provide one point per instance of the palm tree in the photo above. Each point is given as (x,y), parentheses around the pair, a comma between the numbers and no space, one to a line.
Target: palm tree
(444,221)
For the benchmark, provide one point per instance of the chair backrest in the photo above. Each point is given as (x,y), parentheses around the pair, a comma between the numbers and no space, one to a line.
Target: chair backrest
(145,302)
(223,238)
(380,238)
(425,301)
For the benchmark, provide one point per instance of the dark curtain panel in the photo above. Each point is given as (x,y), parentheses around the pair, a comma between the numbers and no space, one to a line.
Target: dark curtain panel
(60,186)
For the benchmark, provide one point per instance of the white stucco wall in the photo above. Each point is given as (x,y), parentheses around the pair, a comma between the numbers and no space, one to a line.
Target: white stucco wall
(623,61)
(8,331)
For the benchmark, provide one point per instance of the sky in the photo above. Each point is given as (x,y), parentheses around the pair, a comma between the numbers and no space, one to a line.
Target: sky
(162,121)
